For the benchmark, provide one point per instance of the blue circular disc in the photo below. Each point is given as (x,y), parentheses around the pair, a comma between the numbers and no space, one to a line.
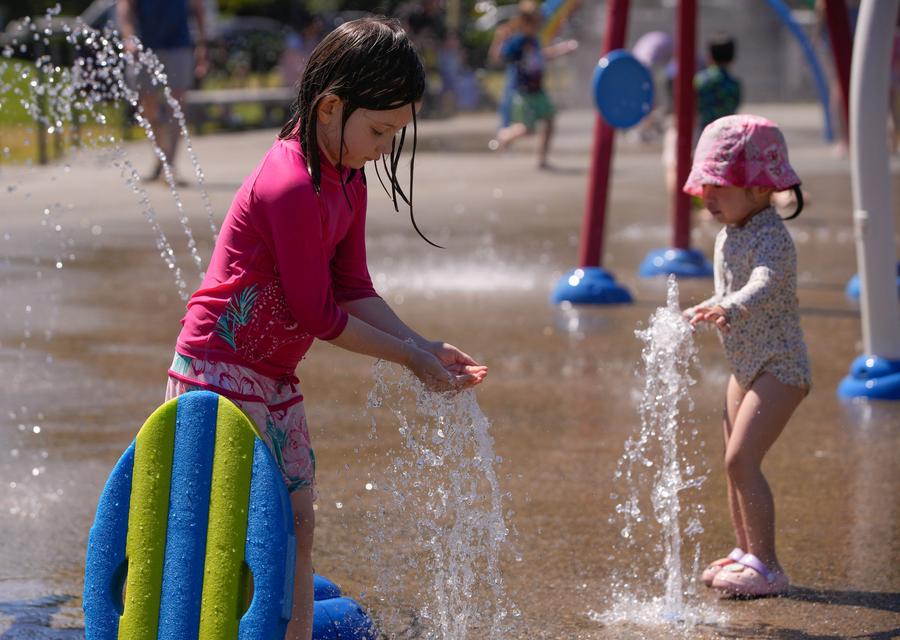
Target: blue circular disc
(623,89)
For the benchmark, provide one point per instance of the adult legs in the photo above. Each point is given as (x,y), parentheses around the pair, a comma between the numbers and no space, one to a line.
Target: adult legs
(180,68)
(761,417)
(171,128)
(163,123)
(300,626)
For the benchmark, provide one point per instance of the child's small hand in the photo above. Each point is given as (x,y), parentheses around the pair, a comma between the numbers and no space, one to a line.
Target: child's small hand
(713,315)
(461,365)
(433,374)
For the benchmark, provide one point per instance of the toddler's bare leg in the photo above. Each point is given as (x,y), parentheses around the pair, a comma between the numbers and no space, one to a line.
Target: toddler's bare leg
(733,396)
(761,418)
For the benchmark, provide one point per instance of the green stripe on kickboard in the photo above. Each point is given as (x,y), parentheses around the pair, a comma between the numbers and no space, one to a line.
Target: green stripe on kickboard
(222,602)
(148,512)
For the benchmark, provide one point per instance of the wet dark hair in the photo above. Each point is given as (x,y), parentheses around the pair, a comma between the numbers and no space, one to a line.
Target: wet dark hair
(368,63)
(721,48)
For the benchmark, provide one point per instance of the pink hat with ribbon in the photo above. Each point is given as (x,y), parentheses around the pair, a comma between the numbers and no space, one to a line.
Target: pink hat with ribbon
(741,151)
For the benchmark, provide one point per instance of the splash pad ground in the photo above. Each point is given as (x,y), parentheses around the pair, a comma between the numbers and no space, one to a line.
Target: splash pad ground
(84,350)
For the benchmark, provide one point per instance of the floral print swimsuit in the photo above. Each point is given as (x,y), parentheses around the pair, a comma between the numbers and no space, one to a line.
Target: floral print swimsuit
(274,405)
(756,284)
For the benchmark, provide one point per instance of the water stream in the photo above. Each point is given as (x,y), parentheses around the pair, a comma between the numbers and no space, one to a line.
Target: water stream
(75,105)
(656,480)
(442,499)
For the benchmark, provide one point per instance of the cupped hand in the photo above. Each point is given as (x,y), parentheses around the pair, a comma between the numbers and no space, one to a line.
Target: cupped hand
(431,371)
(713,315)
(467,371)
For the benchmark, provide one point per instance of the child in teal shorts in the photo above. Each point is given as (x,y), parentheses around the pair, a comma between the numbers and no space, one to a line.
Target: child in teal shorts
(530,103)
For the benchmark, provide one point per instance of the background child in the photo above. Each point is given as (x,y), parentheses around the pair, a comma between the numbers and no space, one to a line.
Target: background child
(530,103)
(654,50)
(718,92)
(289,265)
(739,163)
(718,95)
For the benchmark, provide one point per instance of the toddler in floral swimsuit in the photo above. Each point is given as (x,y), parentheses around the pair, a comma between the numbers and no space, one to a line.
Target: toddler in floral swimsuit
(756,284)
(740,162)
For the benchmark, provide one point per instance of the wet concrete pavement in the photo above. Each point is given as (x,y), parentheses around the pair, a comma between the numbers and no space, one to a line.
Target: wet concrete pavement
(84,349)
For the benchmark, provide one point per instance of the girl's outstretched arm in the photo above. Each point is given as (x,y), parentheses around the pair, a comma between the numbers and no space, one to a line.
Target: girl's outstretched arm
(377,313)
(361,337)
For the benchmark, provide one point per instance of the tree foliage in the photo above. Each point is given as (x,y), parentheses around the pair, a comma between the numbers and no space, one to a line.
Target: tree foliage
(285,10)
(12,9)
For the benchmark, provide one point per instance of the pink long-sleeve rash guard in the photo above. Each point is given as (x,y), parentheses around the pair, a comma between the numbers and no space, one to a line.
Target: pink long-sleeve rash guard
(284,260)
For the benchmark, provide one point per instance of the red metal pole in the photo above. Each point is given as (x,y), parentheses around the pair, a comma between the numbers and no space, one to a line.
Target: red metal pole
(591,251)
(684,112)
(841,47)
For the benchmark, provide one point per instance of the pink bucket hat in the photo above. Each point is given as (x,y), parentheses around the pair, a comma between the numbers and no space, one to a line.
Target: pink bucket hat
(741,151)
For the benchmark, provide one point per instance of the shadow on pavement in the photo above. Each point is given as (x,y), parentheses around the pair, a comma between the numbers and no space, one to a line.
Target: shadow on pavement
(770,632)
(879,601)
(32,619)
(883,601)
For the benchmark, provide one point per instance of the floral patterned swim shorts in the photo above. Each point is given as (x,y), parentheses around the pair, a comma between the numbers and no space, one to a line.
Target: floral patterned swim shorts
(274,404)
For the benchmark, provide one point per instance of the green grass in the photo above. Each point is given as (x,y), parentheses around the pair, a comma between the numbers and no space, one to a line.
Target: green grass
(19,133)
(14,78)
(245,81)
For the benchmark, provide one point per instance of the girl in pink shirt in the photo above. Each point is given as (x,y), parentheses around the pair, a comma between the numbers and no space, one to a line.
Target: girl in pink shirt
(290,262)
